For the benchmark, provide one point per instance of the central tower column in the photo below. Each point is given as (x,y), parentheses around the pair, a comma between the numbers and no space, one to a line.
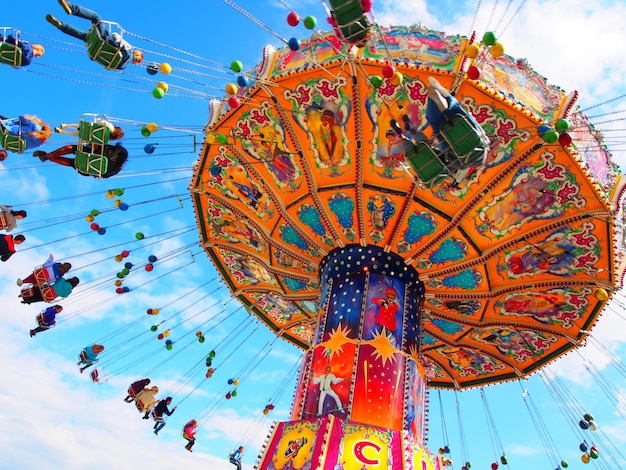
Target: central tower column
(360,398)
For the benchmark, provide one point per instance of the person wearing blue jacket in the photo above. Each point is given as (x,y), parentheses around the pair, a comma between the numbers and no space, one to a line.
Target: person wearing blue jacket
(46,319)
(29,127)
(29,51)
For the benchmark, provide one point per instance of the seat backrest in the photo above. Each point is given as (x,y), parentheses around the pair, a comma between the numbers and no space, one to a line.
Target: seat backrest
(94,132)
(12,143)
(91,164)
(102,51)
(10,54)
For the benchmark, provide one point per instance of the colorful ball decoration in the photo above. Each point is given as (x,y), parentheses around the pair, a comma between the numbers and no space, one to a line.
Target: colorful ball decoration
(593,452)
(154,328)
(198,333)
(236,66)
(120,275)
(471,51)
(228,395)
(119,192)
(117,203)
(494,466)
(396,78)
(150,311)
(562,125)
(165,68)
(166,333)
(148,148)
(583,447)
(231,89)
(243,81)
(139,236)
(310,22)
(169,341)
(236,382)
(153,126)
(128,265)
(89,218)
(497,49)
(152,68)
(388,71)
(583,424)
(160,337)
(294,44)
(95,227)
(110,194)
(293,19)
(126,289)
(234,393)
(585,458)
(119,290)
(125,254)
(473,72)
(168,347)
(376,81)
(602,295)
(163,86)
(489,38)
(102,231)
(118,258)
(550,137)
(212,354)
(118,283)
(234,102)
(222,139)
(95,212)
(564,464)
(209,372)
(565,139)
(125,271)
(230,381)
(149,267)
(201,339)
(123,206)
(155,311)
(152,258)
(158,93)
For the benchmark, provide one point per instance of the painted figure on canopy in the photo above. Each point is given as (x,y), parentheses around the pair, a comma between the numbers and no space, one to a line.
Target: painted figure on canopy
(326,381)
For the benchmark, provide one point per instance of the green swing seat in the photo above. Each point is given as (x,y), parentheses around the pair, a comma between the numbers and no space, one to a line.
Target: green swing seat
(10,54)
(102,51)
(94,132)
(464,140)
(12,143)
(427,164)
(91,164)
(351,20)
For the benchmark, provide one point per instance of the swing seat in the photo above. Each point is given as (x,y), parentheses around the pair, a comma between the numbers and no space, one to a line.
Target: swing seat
(4,223)
(10,54)
(93,132)
(12,143)
(48,294)
(42,276)
(464,140)
(95,378)
(139,404)
(27,292)
(100,50)
(351,20)
(426,163)
(91,164)
(40,318)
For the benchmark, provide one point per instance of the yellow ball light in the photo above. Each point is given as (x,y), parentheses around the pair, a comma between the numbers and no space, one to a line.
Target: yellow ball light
(397,78)
(110,194)
(210,138)
(153,126)
(89,218)
(163,86)
(155,311)
(118,203)
(231,89)
(118,283)
(236,382)
(166,333)
(118,258)
(497,49)
(601,294)
(471,51)
(165,68)
(198,333)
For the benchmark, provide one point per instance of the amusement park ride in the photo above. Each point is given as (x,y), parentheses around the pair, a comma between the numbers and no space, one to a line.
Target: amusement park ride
(404,247)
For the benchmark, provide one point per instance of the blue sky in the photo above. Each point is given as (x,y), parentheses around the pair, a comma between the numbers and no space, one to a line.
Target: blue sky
(53,417)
